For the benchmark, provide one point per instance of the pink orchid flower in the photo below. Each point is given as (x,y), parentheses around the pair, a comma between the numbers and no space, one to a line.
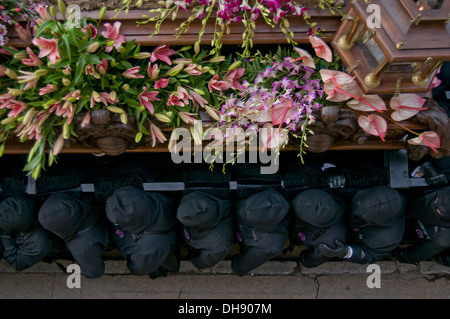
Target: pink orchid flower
(305,57)
(218,85)
(161,83)
(146,99)
(406,106)
(112,33)
(33,60)
(132,73)
(48,89)
(322,49)
(368,103)
(153,71)
(339,86)
(156,134)
(183,94)
(162,53)
(233,77)
(429,138)
(374,125)
(49,47)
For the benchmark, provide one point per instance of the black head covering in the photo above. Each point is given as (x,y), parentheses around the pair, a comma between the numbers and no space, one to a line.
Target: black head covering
(317,208)
(432,208)
(136,210)
(82,228)
(378,206)
(263,211)
(17,213)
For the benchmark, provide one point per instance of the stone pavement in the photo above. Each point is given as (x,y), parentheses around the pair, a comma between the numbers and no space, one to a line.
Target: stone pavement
(273,280)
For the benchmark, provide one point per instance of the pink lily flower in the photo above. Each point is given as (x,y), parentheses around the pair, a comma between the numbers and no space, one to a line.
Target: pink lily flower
(193,69)
(90,28)
(133,73)
(174,99)
(75,94)
(48,89)
(49,47)
(183,94)
(30,78)
(157,134)
(322,49)
(428,138)
(162,53)
(95,97)
(146,99)
(305,57)
(43,13)
(406,106)
(217,84)
(233,76)
(197,98)
(374,125)
(16,108)
(101,68)
(90,70)
(152,71)
(106,98)
(188,117)
(33,60)
(112,33)
(161,83)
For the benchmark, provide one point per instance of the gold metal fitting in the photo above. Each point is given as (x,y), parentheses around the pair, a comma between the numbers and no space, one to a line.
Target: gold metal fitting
(346,41)
(399,45)
(417,19)
(421,78)
(351,68)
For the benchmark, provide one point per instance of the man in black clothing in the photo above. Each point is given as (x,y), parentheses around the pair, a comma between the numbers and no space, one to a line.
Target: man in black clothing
(80,221)
(318,219)
(377,222)
(25,242)
(431,213)
(263,222)
(144,230)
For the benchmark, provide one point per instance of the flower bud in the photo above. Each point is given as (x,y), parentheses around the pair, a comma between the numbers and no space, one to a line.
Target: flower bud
(41,72)
(15,92)
(198,91)
(93,47)
(110,43)
(115,109)
(162,118)
(66,131)
(113,95)
(58,146)
(102,13)
(234,65)
(124,118)
(142,55)
(126,87)
(66,82)
(175,70)
(20,55)
(217,59)
(62,7)
(8,120)
(197,47)
(52,11)
(11,74)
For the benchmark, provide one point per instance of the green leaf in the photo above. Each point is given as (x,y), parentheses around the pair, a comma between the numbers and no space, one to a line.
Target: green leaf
(92,59)
(43,27)
(80,69)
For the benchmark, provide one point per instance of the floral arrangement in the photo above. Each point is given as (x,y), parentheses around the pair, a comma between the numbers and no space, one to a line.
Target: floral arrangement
(10,10)
(223,13)
(71,70)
